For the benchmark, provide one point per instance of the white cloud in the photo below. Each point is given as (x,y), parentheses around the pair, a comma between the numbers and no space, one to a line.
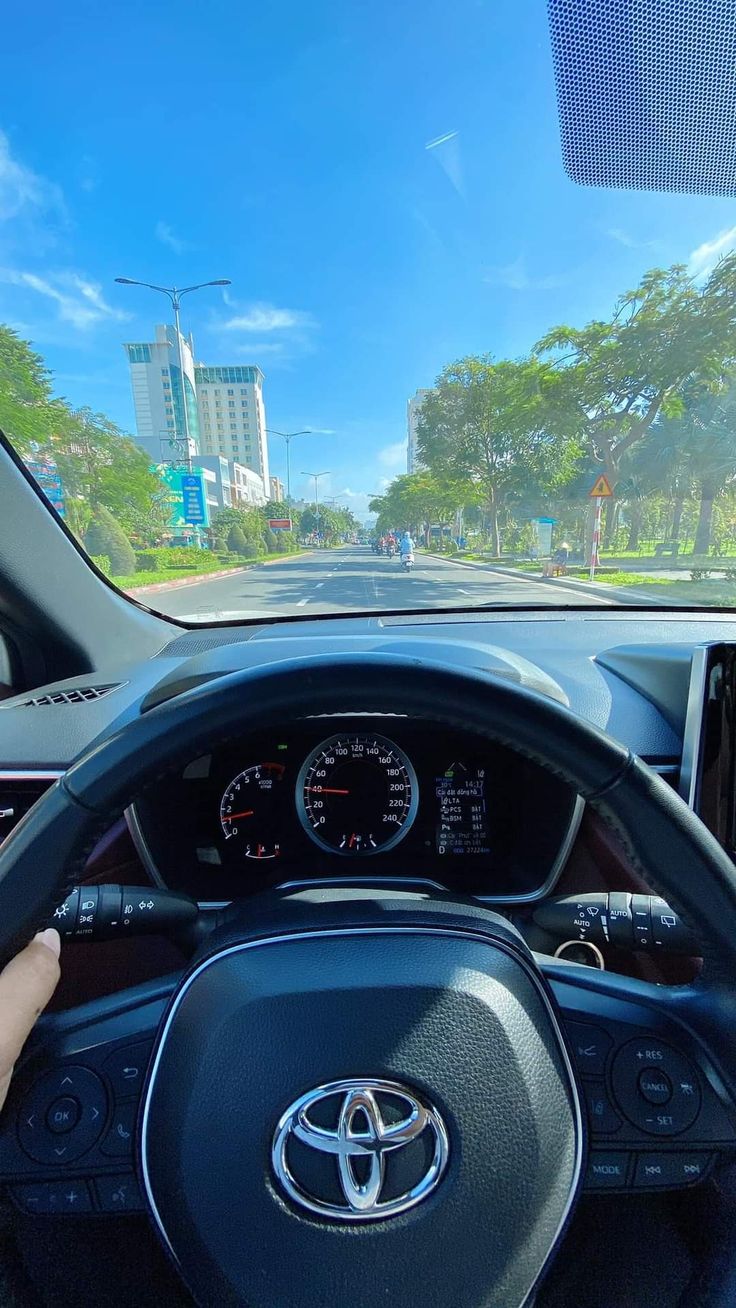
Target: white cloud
(393,456)
(703,260)
(79,301)
(267,318)
(516,278)
(622,238)
(165,234)
(21,189)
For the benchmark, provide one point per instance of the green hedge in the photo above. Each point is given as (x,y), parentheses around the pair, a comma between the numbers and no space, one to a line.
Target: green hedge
(172,556)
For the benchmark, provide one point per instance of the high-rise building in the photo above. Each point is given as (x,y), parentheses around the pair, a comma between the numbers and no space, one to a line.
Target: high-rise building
(277,489)
(155,376)
(413,410)
(225,406)
(232,417)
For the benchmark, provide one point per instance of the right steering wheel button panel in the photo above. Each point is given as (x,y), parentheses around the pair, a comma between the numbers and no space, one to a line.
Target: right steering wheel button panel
(656,1087)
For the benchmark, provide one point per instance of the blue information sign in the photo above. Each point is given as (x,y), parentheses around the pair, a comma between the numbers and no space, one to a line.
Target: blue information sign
(192,490)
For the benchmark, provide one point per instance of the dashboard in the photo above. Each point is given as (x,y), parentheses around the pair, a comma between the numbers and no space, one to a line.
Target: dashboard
(361,796)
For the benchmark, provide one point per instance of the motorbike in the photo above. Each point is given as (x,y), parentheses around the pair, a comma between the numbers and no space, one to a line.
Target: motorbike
(407,562)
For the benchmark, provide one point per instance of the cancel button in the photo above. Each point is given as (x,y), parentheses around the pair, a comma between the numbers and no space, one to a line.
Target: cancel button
(655,1086)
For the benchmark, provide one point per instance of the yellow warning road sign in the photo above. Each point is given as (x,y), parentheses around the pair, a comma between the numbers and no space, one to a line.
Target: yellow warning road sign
(602,489)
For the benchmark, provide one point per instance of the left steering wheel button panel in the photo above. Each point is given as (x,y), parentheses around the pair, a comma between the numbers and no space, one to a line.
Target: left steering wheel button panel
(62,1115)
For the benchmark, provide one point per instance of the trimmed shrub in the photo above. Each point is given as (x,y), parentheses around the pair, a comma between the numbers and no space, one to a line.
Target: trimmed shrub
(236,540)
(105,537)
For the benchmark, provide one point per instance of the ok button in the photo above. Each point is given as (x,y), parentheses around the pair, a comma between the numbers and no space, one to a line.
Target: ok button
(63,1115)
(655,1086)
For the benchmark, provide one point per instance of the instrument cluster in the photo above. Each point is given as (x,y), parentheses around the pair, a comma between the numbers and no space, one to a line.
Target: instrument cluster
(364,796)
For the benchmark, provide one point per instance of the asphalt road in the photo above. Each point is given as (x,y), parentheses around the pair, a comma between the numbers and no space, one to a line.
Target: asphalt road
(353,578)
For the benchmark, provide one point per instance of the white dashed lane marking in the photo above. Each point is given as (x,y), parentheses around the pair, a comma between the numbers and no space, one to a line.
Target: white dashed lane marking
(301,603)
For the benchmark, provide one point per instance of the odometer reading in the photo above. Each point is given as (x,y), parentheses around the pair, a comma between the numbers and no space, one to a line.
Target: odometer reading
(357,794)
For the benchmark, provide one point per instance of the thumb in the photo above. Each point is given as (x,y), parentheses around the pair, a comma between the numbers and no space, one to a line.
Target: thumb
(26,986)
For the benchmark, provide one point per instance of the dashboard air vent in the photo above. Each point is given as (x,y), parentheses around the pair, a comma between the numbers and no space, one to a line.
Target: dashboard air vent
(75,695)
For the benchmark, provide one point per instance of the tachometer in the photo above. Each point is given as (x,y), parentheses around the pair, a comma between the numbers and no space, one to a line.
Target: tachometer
(357,794)
(251,810)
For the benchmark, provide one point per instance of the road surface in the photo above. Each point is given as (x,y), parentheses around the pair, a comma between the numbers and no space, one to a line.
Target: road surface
(353,579)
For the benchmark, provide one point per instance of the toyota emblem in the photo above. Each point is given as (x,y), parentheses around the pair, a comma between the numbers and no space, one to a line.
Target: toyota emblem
(377,1149)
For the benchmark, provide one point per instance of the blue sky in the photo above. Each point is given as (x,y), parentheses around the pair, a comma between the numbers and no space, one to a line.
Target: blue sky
(289,146)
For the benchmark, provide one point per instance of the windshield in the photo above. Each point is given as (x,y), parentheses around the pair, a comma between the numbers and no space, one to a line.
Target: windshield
(302,313)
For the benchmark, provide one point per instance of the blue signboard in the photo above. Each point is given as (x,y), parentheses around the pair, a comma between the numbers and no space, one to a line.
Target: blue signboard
(46,474)
(192,489)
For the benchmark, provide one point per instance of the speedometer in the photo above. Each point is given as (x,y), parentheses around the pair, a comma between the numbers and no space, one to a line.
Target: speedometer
(357,794)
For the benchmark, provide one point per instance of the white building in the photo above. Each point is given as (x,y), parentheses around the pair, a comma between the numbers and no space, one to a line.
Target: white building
(229,484)
(157,395)
(277,489)
(227,417)
(232,417)
(413,410)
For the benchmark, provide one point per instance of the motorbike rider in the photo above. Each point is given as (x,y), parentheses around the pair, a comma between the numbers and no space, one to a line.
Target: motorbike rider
(407,545)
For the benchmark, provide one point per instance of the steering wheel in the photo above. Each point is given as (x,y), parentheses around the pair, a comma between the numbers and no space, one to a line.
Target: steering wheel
(370,1096)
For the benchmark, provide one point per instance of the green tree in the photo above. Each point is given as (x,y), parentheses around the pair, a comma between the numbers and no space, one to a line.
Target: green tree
(699,447)
(418,500)
(620,375)
(28,413)
(106,538)
(275,509)
(99,465)
(500,425)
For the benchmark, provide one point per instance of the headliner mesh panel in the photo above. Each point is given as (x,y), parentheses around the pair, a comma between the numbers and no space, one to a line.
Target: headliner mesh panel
(646,92)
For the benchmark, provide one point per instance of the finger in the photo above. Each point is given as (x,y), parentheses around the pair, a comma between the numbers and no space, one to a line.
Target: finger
(26,986)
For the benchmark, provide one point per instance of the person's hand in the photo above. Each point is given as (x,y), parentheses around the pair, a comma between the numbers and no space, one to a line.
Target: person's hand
(26,986)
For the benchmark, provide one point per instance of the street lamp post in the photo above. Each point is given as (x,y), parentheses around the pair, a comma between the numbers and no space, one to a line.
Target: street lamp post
(288,436)
(175,297)
(316,476)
